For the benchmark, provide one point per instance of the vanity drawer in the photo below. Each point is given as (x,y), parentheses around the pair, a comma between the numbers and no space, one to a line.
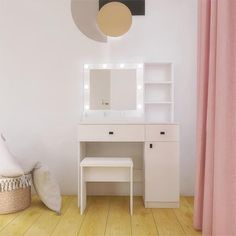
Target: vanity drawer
(109,133)
(162,132)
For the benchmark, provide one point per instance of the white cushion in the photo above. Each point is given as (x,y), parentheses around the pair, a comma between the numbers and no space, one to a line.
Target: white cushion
(9,167)
(47,188)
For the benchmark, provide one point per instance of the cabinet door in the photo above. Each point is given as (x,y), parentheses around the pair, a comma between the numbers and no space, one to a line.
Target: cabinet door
(162,171)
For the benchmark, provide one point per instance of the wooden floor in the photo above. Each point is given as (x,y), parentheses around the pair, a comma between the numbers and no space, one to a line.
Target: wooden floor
(103,216)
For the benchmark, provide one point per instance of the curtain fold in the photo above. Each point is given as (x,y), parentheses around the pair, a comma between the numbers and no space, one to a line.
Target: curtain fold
(215,193)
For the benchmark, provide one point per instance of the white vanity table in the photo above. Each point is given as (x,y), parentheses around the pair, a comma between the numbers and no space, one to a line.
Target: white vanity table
(160,177)
(143,130)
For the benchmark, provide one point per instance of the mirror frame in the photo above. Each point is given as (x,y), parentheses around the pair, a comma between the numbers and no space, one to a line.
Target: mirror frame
(138,112)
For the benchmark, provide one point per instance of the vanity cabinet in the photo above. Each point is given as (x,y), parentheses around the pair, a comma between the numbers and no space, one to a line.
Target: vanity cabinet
(161,174)
(161,161)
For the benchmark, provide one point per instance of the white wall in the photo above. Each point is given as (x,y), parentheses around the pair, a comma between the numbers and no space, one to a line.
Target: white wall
(41,57)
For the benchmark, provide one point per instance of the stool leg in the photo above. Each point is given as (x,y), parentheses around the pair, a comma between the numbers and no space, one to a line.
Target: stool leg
(131,190)
(79,187)
(81,190)
(83,193)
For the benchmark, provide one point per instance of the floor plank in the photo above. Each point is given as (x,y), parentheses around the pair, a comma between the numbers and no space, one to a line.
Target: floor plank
(70,222)
(143,222)
(47,222)
(6,219)
(95,219)
(184,215)
(119,220)
(103,216)
(24,220)
(190,201)
(167,223)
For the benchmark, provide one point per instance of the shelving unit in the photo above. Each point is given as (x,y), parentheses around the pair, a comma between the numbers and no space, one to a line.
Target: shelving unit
(159,92)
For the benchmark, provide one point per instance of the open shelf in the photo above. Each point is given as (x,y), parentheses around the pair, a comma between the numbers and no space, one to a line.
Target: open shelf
(159,92)
(158,72)
(158,113)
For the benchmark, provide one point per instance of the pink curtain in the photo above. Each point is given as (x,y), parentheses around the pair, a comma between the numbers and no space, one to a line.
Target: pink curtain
(215,196)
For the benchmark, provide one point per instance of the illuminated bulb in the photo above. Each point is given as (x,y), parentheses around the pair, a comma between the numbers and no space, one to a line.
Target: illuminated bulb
(139,106)
(86,107)
(122,65)
(104,66)
(139,87)
(140,66)
(86,86)
(86,66)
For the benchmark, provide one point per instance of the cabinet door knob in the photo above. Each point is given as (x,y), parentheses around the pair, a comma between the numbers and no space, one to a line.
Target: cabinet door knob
(150,145)
(162,132)
(111,132)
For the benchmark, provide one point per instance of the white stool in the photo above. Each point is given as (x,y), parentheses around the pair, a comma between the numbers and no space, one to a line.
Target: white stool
(97,169)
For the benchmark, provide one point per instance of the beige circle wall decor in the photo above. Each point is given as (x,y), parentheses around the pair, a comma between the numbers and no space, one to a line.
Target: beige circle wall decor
(114,19)
(98,19)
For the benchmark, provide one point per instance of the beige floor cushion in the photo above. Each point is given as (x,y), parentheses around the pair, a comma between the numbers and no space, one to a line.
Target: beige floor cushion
(47,188)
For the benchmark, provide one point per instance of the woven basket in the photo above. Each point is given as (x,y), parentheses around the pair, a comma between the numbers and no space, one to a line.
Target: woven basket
(16,195)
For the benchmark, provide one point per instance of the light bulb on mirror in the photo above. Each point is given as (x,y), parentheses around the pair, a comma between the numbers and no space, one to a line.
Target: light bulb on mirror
(139,87)
(86,86)
(86,66)
(122,65)
(86,107)
(139,106)
(104,66)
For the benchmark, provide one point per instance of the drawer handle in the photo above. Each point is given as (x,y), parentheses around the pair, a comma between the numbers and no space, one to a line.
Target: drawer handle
(150,145)
(162,132)
(111,132)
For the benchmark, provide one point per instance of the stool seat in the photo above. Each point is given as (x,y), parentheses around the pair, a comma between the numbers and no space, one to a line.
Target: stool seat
(107,162)
(105,169)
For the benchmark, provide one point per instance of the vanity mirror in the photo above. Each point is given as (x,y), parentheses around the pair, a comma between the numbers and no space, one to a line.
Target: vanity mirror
(113,90)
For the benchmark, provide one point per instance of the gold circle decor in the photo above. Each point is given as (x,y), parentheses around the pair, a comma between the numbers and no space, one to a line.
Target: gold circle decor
(114,19)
